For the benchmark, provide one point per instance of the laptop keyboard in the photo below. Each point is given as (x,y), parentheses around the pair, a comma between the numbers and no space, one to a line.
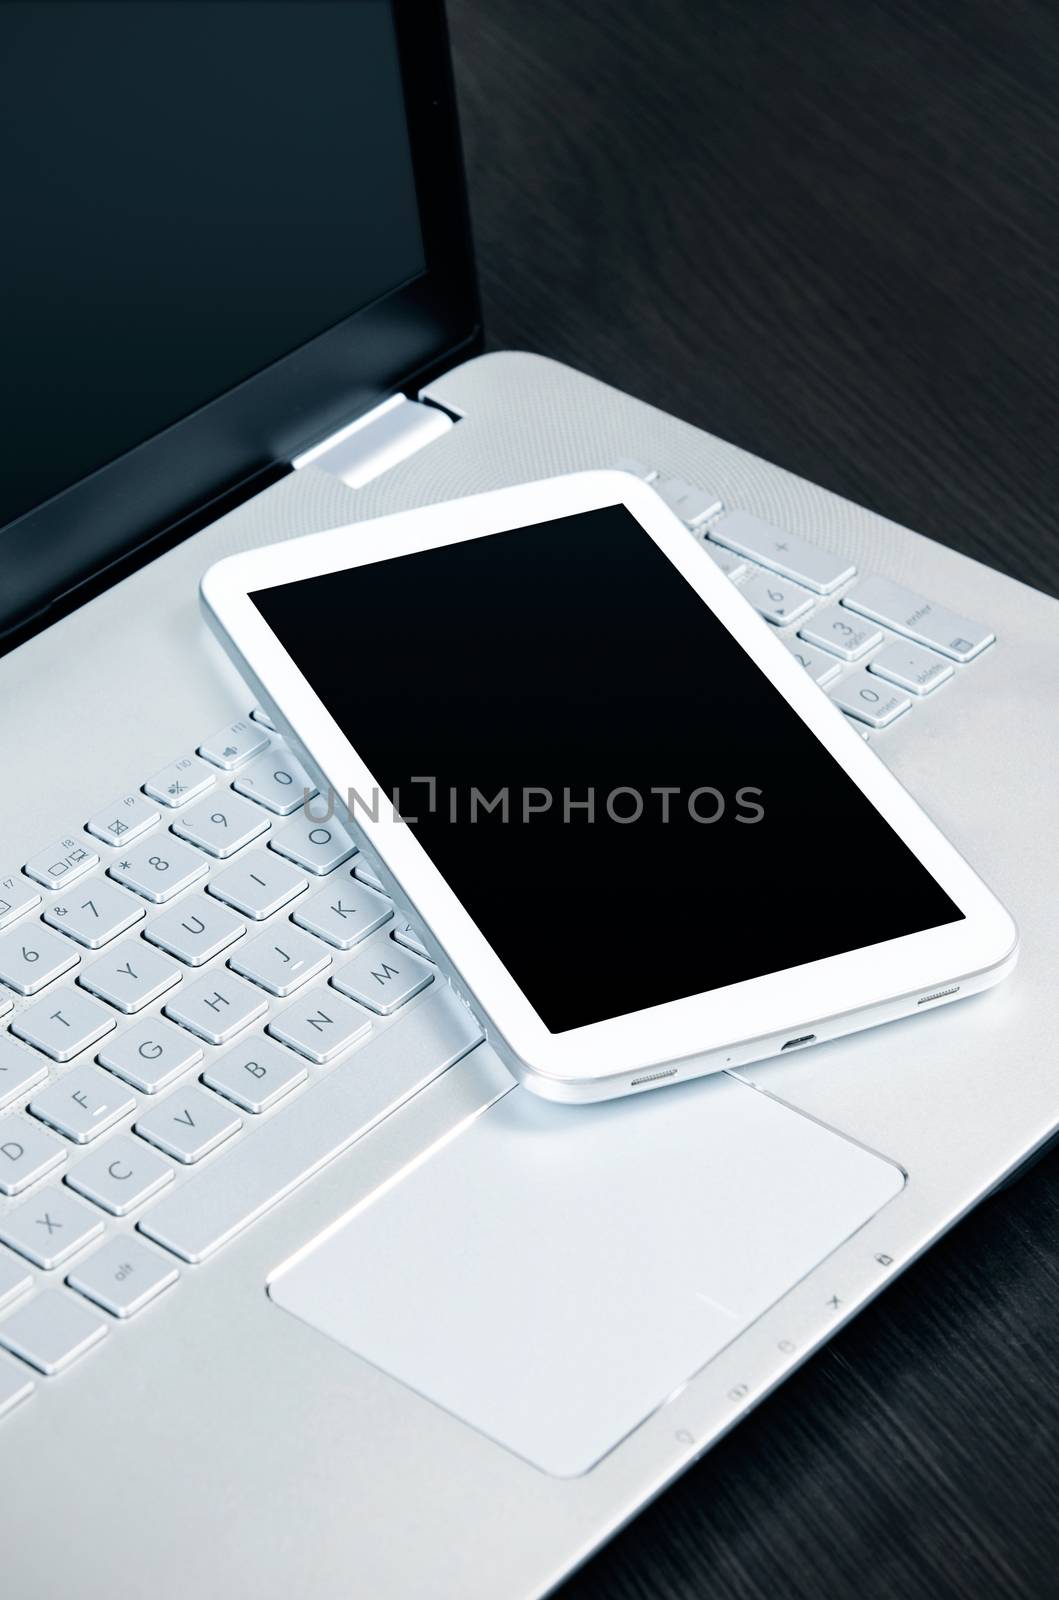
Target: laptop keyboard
(204,997)
(876,648)
(205,994)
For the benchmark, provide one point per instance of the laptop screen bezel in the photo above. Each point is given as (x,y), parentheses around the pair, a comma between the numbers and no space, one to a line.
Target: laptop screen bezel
(163,489)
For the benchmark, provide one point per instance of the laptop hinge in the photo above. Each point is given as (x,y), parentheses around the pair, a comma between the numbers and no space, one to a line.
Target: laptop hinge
(376,441)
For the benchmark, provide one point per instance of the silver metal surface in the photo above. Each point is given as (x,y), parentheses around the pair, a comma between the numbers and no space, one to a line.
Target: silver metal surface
(778,599)
(924,621)
(50,1227)
(324,1465)
(255,1074)
(222,824)
(806,562)
(159,869)
(276,780)
(918,671)
(131,975)
(188,1125)
(281,960)
(123,820)
(196,930)
(120,1175)
(344,913)
(62,1024)
(217,1007)
(845,635)
(873,701)
(320,847)
(383,977)
(151,1055)
(50,1331)
(259,885)
(123,1276)
(95,915)
(321,1026)
(83,1103)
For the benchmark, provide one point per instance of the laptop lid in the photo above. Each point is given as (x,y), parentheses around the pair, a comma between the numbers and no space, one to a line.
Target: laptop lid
(230,227)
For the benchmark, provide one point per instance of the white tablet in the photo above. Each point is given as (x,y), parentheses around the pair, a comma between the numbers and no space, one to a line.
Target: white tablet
(597,778)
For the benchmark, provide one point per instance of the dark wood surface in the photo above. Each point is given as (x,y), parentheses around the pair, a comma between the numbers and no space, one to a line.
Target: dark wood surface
(829,232)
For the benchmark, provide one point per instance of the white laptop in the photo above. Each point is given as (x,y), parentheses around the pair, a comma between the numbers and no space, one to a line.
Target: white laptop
(287,1309)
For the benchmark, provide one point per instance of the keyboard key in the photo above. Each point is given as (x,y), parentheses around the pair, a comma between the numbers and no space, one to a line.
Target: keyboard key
(778,600)
(869,699)
(230,747)
(256,1074)
(383,978)
(784,552)
(843,635)
(277,780)
(637,468)
(364,874)
(188,1125)
(408,935)
(123,820)
(26,1154)
(215,1205)
(120,1175)
(263,717)
(131,976)
(180,782)
(150,1056)
(910,668)
(222,825)
(918,619)
(62,862)
(30,958)
(217,1007)
(319,847)
(96,913)
(17,896)
(693,506)
(343,914)
(160,869)
(63,1025)
(123,1276)
(821,668)
(15,1386)
(19,1070)
(258,885)
(321,1026)
(731,565)
(15,1280)
(281,960)
(196,930)
(51,1331)
(83,1103)
(50,1227)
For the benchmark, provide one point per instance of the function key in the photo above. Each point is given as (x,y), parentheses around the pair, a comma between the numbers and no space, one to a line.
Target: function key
(231,746)
(62,862)
(180,782)
(123,820)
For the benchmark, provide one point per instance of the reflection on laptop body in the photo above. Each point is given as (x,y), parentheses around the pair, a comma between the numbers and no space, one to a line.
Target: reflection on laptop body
(284,1261)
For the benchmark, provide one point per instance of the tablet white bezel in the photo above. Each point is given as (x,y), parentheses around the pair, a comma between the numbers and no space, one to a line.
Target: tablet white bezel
(841,987)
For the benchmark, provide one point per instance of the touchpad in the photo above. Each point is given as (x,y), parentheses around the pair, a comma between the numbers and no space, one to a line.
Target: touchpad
(553,1273)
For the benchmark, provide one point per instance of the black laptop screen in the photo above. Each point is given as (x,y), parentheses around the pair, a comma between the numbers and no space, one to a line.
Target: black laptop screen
(191,191)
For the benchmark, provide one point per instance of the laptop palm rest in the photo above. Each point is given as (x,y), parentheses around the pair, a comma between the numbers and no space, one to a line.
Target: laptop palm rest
(553,1273)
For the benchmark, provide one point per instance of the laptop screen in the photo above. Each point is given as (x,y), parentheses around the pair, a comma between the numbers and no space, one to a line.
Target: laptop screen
(192,192)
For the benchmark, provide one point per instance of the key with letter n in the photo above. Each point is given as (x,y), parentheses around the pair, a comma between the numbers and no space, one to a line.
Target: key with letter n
(320,1026)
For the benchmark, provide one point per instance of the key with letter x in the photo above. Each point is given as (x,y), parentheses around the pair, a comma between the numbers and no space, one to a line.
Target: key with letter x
(50,1227)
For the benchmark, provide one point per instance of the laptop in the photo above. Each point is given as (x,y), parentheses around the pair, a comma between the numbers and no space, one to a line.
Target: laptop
(282,1317)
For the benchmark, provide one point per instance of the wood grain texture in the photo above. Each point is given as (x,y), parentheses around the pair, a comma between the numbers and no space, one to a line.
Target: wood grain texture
(829,232)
